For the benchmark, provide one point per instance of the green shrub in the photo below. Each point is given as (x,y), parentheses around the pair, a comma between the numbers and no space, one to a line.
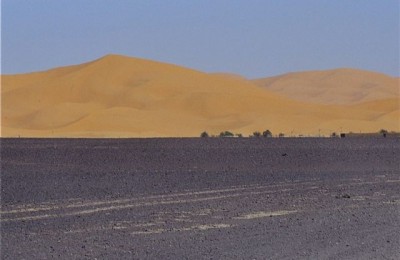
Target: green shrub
(267,133)
(383,131)
(204,134)
(226,134)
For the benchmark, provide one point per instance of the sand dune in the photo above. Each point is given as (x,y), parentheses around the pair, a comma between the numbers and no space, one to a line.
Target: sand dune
(118,96)
(340,86)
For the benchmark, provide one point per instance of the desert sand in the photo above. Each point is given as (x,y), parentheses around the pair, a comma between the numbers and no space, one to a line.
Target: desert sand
(118,96)
(338,86)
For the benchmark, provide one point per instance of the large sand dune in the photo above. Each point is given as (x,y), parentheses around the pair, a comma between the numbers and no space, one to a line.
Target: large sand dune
(118,96)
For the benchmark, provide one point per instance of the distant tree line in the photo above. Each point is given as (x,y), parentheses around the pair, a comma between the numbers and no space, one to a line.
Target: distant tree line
(265,134)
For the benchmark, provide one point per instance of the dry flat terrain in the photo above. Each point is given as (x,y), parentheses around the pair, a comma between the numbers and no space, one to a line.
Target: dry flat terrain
(118,96)
(216,198)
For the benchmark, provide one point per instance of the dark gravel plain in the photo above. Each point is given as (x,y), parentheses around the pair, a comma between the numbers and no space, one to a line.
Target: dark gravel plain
(192,198)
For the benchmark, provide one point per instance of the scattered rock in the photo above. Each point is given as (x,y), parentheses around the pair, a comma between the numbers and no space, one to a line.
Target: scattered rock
(344,196)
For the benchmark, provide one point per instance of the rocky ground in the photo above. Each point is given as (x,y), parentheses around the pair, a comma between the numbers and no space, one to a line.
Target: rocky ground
(211,198)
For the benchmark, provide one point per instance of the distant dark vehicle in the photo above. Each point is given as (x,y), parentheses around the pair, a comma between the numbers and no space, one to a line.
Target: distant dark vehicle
(342,135)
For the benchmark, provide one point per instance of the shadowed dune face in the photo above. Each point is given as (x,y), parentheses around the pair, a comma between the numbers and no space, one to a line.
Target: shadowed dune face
(117,96)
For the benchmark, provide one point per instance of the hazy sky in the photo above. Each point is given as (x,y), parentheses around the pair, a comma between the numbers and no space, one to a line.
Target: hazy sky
(249,37)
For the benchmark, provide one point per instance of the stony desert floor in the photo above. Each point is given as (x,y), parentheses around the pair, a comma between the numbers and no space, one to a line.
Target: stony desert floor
(215,198)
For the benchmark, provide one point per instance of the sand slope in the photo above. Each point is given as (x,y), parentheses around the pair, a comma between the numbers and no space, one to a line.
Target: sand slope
(339,86)
(118,96)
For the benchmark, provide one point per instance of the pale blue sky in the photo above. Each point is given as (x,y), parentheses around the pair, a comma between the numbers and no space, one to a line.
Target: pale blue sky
(248,37)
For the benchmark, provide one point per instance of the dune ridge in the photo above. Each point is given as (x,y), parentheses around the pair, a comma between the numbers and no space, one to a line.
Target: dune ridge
(119,96)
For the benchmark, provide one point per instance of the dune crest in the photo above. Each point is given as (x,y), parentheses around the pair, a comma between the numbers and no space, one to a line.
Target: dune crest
(118,96)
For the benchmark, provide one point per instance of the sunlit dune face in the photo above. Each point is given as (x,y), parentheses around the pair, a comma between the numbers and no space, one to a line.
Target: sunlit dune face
(340,86)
